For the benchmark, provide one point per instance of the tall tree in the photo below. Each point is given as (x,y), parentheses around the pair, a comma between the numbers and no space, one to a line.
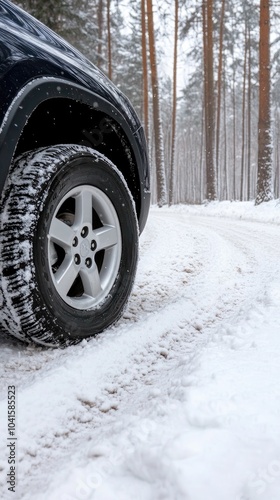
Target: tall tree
(249,99)
(243,123)
(127,56)
(264,181)
(74,20)
(219,83)
(50,13)
(174,105)
(160,170)
(145,68)
(207,11)
(100,21)
(109,43)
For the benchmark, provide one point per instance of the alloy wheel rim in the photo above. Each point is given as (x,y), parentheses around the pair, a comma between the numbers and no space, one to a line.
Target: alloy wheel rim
(84,247)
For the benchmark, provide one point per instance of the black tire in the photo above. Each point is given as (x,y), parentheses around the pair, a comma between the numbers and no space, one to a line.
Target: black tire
(47,195)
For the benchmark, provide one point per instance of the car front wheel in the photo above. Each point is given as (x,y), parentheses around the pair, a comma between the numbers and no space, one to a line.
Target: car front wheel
(68,245)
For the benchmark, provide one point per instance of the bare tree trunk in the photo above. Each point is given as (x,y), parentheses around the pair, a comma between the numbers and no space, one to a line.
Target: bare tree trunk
(201,169)
(219,86)
(234,138)
(242,167)
(145,69)
(225,147)
(174,106)
(160,170)
(100,33)
(276,154)
(207,11)
(109,43)
(264,181)
(249,99)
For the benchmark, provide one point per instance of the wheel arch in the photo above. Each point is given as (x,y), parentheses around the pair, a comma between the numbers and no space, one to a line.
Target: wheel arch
(50,111)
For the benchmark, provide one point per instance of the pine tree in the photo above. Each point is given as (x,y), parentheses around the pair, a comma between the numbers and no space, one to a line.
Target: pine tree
(159,157)
(174,105)
(209,105)
(264,184)
(74,20)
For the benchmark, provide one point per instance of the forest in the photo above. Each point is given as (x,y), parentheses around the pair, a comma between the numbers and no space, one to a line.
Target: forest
(203,75)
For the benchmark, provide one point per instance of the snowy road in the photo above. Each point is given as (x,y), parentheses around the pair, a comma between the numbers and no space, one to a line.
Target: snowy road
(180,399)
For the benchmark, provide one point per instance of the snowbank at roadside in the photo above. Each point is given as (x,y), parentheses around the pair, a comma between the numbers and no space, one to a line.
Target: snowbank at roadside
(246,210)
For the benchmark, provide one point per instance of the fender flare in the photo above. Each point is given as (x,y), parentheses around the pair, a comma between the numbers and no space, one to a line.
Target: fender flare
(44,88)
(38,91)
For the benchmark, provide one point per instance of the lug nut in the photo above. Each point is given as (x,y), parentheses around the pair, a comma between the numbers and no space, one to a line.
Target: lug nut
(77,259)
(88,262)
(93,245)
(75,242)
(84,232)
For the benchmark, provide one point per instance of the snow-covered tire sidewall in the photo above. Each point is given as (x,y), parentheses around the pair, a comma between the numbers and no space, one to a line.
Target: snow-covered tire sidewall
(31,308)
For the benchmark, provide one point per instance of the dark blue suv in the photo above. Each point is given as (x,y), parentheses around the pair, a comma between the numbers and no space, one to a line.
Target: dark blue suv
(75,188)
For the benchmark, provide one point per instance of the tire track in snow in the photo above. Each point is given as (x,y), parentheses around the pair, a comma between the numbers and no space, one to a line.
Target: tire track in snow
(164,278)
(102,380)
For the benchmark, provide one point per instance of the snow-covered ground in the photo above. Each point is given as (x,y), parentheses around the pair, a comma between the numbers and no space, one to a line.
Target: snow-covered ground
(180,399)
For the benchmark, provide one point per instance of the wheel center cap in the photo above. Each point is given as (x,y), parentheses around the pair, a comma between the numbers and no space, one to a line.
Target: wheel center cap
(85,248)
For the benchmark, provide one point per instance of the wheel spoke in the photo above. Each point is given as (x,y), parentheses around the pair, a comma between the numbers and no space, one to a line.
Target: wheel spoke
(61,233)
(106,237)
(65,276)
(91,281)
(83,213)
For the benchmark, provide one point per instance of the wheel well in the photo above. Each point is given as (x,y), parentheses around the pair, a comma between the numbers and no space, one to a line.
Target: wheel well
(65,121)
